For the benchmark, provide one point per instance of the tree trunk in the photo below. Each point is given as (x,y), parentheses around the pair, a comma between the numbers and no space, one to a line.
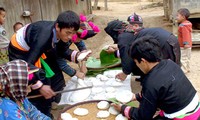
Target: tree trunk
(95,4)
(106,4)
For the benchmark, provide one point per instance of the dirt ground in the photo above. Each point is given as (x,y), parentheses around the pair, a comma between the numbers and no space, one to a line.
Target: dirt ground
(153,16)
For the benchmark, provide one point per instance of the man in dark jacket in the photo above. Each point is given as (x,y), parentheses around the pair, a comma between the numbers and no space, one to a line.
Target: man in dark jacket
(29,44)
(164,86)
(123,38)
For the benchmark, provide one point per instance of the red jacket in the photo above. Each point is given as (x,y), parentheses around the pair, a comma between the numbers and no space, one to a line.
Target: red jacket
(184,33)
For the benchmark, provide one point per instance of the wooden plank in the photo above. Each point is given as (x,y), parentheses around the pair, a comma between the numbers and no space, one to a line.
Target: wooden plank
(50,9)
(34,7)
(14,11)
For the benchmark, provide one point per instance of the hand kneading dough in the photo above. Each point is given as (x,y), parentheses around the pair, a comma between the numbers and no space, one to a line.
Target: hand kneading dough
(121,117)
(66,116)
(103,105)
(80,95)
(80,111)
(103,114)
(124,96)
(112,111)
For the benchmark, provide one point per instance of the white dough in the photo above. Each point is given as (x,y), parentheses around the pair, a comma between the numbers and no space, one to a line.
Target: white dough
(117,84)
(102,105)
(112,111)
(103,78)
(80,95)
(96,90)
(103,114)
(83,55)
(81,111)
(66,116)
(110,74)
(110,95)
(110,89)
(121,117)
(118,80)
(98,76)
(124,96)
(97,82)
(99,97)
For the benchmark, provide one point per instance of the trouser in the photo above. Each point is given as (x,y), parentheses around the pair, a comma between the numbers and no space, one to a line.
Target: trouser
(185,59)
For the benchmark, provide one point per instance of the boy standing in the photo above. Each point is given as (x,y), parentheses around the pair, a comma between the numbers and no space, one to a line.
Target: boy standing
(184,37)
(4,42)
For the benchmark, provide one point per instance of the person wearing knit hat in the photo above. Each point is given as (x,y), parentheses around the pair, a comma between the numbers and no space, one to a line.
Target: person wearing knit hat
(135,19)
(14,105)
(168,42)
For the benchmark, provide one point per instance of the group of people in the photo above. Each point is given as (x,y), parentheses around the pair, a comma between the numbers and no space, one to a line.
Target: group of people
(38,52)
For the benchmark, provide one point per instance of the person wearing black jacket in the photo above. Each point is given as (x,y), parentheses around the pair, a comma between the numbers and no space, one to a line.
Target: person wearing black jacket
(164,86)
(123,38)
(31,42)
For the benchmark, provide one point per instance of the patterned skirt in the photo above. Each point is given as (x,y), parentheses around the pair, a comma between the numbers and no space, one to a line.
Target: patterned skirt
(4,55)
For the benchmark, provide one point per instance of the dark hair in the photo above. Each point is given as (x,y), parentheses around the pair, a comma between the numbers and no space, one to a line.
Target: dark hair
(113,29)
(2,9)
(68,19)
(17,23)
(184,12)
(145,47)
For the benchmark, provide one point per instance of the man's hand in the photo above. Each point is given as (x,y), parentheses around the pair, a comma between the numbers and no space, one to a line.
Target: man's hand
(122,76)
(133,97)
(111,49)
(117,106)
(47,92)
(80,75)
(83,67)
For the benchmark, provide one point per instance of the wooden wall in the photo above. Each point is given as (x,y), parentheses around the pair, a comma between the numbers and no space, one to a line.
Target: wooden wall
(41,9)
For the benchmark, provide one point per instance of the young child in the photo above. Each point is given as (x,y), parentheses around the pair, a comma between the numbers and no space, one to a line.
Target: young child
(17,26)
(4,42)
(184,37)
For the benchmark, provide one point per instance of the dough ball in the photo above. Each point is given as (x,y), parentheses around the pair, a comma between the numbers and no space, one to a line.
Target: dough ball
(121,117)
(118,80)
(96,90)
(110,74)
(97,83)
(103,114)
(124,96)
(117,84)
(98,76)
(110,95)
(110,89)
(66,116)
(80,95)
(81,111)
(112,111)
(103,105)
(99,97)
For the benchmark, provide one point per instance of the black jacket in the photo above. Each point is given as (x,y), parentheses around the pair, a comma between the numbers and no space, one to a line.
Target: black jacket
(165,87)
